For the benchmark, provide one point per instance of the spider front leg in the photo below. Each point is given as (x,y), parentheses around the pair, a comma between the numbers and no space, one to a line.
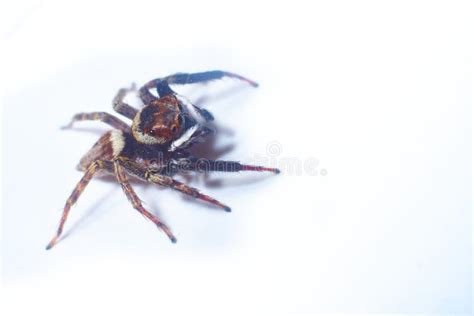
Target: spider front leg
(91,170)
(198,77)
(162,85)
(189,78)
(120,106)
(99,116)
(206,165)
(133,198)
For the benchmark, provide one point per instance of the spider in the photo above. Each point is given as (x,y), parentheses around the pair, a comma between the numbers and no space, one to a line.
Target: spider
(155,146)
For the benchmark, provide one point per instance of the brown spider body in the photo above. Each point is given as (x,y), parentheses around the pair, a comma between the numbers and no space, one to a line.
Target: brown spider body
(154,147)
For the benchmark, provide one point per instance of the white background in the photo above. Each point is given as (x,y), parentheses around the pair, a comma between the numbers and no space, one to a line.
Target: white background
(379,92)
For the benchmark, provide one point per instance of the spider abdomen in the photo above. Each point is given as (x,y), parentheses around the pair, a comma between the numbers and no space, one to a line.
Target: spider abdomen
(108,147)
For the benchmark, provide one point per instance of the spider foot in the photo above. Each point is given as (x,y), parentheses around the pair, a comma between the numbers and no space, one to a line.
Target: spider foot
(52,243)
(167,231)
(259,168)
(132,88)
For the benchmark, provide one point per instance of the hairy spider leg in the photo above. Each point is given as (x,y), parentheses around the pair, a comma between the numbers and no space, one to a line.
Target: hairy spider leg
(99,116)
(189,78)
(179,186)
(120,106)
(133,198)
(93,168)
(153,177)
(163,88)
(206,165)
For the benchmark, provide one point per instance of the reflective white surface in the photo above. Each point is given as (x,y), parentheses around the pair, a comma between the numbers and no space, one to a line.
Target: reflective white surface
(371,100)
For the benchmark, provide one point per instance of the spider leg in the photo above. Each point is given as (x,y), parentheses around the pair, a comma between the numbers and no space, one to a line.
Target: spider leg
(179,186)
(153,177)
(206,165)
(133,198)
(93,168)
(99,116)
(189,78)
(121,107)
(163,88)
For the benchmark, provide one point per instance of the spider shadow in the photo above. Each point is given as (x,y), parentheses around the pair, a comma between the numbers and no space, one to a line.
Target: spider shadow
(210,150)
(87,215)
(92,210)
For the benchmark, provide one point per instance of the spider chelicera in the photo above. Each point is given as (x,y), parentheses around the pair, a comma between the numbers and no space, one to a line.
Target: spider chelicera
(155,146)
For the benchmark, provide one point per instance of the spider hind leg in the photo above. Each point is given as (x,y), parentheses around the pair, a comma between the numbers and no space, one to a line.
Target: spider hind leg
(167,181)
(81,185)
(135,200)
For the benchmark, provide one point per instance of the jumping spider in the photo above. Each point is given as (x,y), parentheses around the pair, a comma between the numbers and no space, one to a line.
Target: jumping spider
(154,147)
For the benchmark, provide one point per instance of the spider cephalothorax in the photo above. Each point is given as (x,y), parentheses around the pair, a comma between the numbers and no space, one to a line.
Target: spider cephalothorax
(159,122)
(154,147)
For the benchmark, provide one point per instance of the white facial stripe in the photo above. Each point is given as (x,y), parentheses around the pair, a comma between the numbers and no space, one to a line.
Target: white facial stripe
(142,137)
(117,140)
(190,107)
(184,138)
(147,139)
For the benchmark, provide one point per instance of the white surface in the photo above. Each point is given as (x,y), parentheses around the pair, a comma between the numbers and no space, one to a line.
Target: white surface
(378,92)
